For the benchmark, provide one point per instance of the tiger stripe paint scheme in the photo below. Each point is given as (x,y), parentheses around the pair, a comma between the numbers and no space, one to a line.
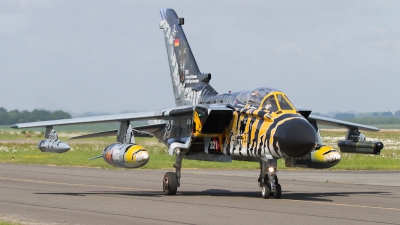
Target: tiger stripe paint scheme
(251,132)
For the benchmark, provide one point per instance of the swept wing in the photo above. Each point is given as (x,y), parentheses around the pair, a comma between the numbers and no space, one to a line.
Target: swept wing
(339,123)
(151,115)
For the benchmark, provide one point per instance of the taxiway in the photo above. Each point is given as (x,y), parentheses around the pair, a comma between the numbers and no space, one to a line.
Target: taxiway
(69,195)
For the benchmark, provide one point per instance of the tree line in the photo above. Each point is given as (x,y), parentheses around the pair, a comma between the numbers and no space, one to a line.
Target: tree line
(375,120)
(16,116)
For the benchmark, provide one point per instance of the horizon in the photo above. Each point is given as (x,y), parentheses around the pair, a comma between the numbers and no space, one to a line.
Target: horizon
(110,56)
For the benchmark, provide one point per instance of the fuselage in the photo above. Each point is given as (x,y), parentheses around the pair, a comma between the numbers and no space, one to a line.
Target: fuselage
(264,124)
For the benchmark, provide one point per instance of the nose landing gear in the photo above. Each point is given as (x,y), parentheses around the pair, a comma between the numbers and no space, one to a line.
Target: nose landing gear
(268,179)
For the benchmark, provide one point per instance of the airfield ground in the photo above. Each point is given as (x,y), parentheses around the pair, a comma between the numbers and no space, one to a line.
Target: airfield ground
(36,194)
(79,191)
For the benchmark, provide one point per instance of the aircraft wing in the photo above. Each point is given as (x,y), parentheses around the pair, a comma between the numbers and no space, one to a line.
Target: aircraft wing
(151,115)
(339,123)
(112,133)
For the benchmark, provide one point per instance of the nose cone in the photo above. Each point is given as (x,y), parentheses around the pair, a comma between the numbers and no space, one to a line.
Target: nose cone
(296,137)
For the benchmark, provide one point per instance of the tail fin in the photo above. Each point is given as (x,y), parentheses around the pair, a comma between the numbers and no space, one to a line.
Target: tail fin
(188,82)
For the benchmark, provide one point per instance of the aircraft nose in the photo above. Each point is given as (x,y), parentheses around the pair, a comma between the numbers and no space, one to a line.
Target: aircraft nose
(296,137)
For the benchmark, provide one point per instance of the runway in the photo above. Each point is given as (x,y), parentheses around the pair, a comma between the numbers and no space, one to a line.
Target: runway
(69,195)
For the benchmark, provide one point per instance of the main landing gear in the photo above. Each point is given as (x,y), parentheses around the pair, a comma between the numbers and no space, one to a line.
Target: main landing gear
(171,180)
(268,179)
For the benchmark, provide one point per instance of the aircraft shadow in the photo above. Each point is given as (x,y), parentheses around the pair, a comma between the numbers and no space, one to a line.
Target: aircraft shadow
(317,196)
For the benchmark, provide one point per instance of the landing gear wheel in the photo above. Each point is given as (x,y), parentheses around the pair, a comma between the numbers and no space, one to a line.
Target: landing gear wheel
(265,191)
(276,183)
(278,191)
(170,183)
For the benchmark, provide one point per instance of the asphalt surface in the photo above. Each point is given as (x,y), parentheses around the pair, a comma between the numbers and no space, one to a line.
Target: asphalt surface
(68,195)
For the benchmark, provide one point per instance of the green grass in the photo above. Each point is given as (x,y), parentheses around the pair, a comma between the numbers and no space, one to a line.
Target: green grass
(387,160)
(8,223)
(21,150)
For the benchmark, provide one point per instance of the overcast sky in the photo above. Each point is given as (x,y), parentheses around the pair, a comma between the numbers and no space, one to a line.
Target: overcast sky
(81,56)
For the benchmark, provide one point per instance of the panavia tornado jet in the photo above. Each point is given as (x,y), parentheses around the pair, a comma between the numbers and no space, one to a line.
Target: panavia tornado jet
(258,124)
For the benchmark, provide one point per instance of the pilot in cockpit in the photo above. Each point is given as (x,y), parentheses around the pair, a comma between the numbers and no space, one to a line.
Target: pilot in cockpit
(255,98)
(270,104)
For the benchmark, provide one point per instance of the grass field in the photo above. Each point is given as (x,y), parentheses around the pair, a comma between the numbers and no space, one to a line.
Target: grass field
(16,147)
(8,223)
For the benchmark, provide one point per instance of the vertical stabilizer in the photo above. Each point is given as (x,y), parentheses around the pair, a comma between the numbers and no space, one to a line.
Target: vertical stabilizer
(188,83)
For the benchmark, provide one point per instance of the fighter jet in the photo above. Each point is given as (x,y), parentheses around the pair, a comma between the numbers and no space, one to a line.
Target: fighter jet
(258,124)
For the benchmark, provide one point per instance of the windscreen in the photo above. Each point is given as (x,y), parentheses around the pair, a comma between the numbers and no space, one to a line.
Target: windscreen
(284,104)
(270,104)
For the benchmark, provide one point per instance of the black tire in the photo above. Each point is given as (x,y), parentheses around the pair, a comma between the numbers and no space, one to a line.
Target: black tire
(278,191)
(276,183)
(268,184)
(265,191)
(170,183)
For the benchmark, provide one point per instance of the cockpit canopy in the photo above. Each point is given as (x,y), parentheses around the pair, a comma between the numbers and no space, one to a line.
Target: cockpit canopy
(253,96)
(270,99)
(261,96)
